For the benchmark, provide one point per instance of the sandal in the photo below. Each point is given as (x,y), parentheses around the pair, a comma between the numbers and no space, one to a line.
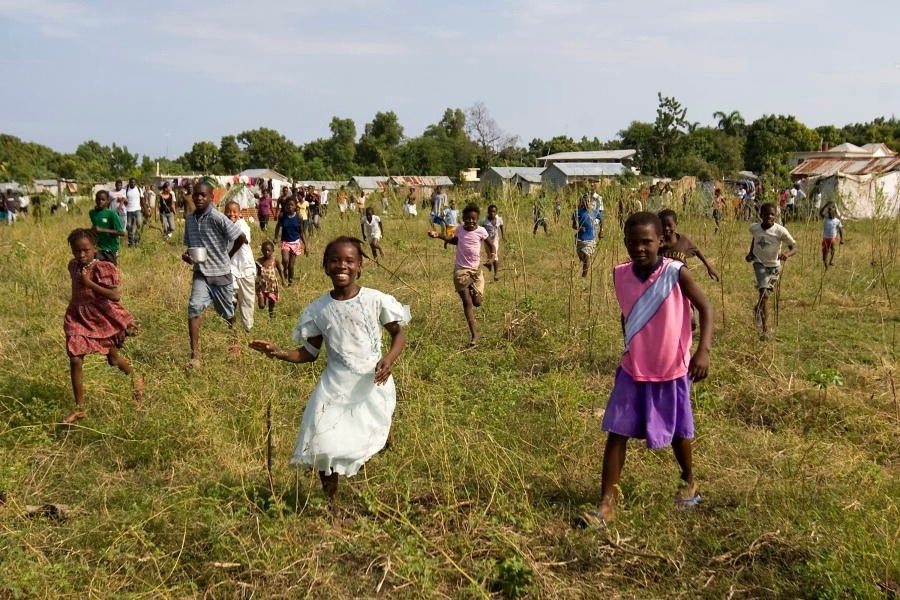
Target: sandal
(590,519)
(687,496)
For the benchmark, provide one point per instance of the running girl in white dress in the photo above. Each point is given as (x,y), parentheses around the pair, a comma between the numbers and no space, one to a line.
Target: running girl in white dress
(348,416)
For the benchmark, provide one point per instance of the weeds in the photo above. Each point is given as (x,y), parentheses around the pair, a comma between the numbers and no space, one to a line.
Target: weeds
(493,451)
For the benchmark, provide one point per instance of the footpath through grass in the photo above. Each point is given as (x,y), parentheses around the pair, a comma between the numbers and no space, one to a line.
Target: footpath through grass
(493,449)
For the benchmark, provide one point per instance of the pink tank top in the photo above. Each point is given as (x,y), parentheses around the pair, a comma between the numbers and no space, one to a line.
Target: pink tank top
(660,350)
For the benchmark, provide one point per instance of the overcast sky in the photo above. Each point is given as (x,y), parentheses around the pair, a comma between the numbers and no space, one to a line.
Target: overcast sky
(163,74)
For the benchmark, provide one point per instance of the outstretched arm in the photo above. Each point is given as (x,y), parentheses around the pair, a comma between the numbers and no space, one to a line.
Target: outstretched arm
(712,272)
(699,366)
(443,236)
(398,342)
(302,354)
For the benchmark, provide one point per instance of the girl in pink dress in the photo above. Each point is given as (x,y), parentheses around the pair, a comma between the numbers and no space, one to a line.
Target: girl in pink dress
(95,321)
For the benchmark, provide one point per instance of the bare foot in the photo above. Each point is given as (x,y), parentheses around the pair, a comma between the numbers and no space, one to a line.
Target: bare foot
(607,510)
(194,363)
(76,415)
(473,342)
(137,385)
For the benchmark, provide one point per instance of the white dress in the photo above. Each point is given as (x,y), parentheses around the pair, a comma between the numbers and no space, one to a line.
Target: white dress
(348,417)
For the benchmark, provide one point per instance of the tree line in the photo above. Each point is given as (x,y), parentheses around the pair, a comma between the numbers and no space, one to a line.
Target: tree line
(671,146)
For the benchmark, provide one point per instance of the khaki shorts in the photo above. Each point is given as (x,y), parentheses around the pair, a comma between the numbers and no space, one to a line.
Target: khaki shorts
(463,278)
(766,277)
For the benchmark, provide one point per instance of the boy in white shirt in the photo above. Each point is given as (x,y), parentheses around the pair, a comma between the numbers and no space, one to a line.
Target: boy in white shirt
(832,229)
(766,256)
(372,230)
(493,224)
(243,269)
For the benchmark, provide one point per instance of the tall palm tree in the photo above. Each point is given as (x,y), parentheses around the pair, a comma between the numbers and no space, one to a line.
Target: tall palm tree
(731,123)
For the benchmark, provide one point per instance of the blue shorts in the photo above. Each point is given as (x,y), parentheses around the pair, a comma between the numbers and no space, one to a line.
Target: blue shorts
(438,220)
(204,293)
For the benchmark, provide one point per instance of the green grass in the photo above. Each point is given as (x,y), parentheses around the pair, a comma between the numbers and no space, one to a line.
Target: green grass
(493,450)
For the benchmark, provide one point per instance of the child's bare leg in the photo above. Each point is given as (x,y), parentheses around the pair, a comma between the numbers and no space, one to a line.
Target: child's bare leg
(760,309)
(123,364)
(682,448)
(496,269)
(286,265)
(831,255)
(613,462)
(291,260)
(329,485)
(825,257)
(469,312)
(271,308)
(77,375)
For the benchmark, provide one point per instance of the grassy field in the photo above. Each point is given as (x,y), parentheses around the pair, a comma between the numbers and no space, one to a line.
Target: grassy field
(493,449)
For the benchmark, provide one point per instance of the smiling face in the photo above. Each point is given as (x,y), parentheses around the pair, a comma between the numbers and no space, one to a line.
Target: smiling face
(642,242)
(84,250)
(233,212)
(767,216)
(343,265)
(669,225)
(470,220)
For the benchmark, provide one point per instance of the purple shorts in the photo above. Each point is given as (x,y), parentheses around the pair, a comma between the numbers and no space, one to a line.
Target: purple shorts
(653,410)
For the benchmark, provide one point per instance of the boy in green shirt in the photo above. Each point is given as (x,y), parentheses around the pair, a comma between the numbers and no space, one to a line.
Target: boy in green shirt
(108,227)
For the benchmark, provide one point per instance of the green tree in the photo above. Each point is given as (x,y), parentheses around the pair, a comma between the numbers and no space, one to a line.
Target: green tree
(122,162)
(203,157)
(639,137)
(731,123)
(24,161)
(771,138)
(342,146)
(668,132)
(231,157)
(377,148)
(266,148)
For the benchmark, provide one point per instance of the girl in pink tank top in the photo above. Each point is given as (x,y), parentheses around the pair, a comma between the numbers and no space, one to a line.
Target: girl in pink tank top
(651,397)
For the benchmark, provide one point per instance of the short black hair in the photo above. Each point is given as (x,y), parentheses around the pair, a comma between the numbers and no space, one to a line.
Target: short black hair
(643,218)
(344,239)
(269,244)
(494,206)
(471,208)
(667,212)
(230,202)
(101,193)
(768,206)
(80,233)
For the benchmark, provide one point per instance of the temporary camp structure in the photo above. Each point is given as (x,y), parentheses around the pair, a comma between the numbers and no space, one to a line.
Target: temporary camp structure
(861,188)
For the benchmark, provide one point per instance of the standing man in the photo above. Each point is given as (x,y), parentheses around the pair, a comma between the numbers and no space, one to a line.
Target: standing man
(323,201)
(12,206)
(133,217)
(209,232)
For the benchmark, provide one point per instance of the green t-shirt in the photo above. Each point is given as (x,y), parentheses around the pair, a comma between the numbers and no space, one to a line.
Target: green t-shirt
(106,219)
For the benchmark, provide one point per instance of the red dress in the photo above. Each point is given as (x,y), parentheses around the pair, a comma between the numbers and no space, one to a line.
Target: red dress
(94,323)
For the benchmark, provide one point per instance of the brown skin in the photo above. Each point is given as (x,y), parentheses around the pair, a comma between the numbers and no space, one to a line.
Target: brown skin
(102,202)
(470,298)
(84,251)
(670,238)
(344,266)
(828,253)
(494,265)
(202,198)
(373,243)
(643,244)
(767,217)
(268,259)
(287,259)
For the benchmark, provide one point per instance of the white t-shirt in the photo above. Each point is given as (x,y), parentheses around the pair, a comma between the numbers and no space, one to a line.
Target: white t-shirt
(598,201)
(133,199)
(830,227)
(323,197)
(373,229)
(114,201)
(767,243)
(493,228)
(242,263)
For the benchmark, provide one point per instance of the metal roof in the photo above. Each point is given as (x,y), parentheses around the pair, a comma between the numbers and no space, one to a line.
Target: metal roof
(421,181)
(367,182)
(530,175)
(526,172)
(263,173)
(328,185)
(589,169)
(589,155)
(846,166)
